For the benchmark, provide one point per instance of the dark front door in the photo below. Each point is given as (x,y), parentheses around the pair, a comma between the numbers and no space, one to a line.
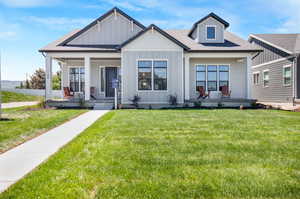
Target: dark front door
(110,73)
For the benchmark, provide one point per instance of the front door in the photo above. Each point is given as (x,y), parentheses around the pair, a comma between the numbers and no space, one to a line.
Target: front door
(110,74)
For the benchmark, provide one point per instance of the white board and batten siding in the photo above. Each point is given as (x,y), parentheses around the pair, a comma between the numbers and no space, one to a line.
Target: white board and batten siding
(112,30)
(152,46)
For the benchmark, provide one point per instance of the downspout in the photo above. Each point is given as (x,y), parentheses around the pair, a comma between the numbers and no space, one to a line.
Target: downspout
(295,80)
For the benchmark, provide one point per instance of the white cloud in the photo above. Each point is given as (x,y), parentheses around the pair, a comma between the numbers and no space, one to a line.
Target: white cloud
(7,35)
(129,5)
(28,3)
(59,22)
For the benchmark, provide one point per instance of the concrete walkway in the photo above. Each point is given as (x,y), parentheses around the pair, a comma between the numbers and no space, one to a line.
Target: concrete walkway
(18,104)
(282,106)
(19,161)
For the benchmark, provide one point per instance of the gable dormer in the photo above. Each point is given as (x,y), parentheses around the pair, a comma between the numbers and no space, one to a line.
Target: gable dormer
(111,29)
(209,29)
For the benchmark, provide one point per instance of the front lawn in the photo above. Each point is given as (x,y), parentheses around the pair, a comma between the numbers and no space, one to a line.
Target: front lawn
(18,97)
(25,123)
(175,154)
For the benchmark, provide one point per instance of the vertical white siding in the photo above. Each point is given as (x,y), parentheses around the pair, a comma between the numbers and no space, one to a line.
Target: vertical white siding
(109,31)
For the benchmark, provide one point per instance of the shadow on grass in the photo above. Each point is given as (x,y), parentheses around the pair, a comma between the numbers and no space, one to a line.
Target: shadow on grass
(6,119)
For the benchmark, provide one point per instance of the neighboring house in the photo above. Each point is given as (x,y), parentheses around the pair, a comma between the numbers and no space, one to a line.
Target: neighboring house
(276,70)
(151,62)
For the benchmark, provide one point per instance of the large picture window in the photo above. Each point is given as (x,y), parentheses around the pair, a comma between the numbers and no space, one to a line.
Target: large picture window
(211,77)
(200,77)
(223,76)
(76,78)
(152,75)
(287,75)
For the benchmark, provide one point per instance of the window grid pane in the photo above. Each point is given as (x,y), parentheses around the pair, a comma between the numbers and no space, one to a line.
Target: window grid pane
(211,32)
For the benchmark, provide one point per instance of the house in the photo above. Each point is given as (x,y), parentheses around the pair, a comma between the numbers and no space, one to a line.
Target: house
(276,70)
(150,62)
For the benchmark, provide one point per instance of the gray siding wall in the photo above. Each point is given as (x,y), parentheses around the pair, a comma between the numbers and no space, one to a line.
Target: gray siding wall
(276,92)
(129,76)
(111,31)
(219,31)
(237,76)
(269,54)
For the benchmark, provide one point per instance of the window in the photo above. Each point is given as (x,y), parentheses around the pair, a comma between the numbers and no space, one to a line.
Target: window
(212,77)
(200,77)
(223,76)
(266,78)
(144,75)
(287,75)
(76,79)
(211,32)
(160,75)
(256,78)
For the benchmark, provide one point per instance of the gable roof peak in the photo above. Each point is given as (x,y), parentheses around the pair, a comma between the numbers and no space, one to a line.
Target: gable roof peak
(213,15)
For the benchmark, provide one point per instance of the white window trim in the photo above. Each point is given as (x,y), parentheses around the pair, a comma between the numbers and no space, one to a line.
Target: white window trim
(258,80)
(214,26)
(152,75)
(284,67)
(218,76)
(267,70)
(69,82)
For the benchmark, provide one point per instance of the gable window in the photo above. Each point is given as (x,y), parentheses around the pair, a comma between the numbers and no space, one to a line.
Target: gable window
(287,75)
(256,78)
(210,32)
(266,78)
(76,79)
(152,75)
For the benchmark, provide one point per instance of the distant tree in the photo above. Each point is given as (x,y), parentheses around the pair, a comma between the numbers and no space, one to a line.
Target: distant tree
(56,81)
(27,84)
(21,85)
(37,80)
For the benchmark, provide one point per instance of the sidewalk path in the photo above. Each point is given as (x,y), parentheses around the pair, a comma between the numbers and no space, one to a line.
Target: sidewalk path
(19,161)
(18,104)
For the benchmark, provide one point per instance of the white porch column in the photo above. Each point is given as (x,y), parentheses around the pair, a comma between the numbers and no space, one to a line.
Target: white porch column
(48,63)
(87,77)
(187,78)
(249,77)
(62,69)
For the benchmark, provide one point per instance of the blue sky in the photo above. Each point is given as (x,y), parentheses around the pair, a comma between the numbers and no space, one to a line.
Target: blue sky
(27,25)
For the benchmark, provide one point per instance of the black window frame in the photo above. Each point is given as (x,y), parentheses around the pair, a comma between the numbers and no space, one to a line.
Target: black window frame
(207,32)
(162,80)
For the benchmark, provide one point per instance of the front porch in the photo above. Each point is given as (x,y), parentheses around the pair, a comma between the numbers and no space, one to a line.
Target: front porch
(84,78)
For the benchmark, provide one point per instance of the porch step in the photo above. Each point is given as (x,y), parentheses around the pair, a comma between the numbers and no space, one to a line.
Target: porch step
(103,106)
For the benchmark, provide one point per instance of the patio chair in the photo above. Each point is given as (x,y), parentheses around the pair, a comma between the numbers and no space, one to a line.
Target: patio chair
(93,93)
(67,93)
(225,91)
(202,93)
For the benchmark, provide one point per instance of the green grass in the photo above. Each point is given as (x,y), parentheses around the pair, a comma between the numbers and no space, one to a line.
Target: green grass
(18,97)
(175,154)
(24,124)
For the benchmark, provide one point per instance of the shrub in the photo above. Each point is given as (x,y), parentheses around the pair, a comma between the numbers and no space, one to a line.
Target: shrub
(173,99)
(135,101)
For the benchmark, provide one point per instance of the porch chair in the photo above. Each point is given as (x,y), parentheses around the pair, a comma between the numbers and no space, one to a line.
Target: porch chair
(225,92)
(93,93)
(202,93)
(67,93)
